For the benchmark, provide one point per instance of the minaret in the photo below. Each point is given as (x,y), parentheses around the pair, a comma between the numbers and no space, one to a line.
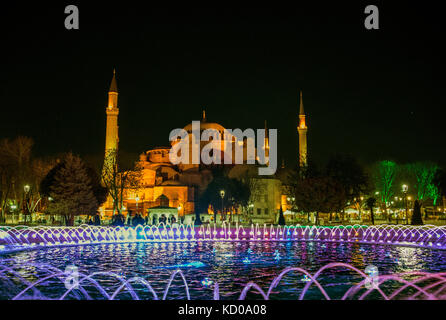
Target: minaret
(111,135)
(302,129)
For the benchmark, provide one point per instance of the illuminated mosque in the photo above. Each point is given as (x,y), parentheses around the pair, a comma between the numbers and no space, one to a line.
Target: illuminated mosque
(172,190)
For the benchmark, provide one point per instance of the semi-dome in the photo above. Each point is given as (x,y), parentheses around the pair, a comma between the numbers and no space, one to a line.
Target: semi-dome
(171,183)
(157,155)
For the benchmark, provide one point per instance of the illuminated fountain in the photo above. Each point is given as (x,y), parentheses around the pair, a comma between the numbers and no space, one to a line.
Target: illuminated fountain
(195,251)
(421,286)
(23,237)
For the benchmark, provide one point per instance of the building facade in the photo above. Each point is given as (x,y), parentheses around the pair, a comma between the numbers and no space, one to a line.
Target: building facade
(169,191)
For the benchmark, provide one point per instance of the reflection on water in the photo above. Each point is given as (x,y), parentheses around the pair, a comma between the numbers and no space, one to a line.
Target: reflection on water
(232,264)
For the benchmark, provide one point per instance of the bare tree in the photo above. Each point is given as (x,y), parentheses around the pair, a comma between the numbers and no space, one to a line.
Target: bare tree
(39,170)
(255,188)
(119,183)
(15,171)
(6,182)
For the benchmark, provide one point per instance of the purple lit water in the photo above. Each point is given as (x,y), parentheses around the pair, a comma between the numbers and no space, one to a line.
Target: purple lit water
(231,264)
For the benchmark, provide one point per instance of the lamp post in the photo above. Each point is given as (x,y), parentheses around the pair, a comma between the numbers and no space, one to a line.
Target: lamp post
(51,216)
(26,189)
(179,209)
(12,209)
(405,189)
(397,212)
(137,200)
(250,213)
(232,212)
(222,195)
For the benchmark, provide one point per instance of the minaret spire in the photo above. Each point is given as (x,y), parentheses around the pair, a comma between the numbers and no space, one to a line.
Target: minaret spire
(111,133)
(302,130)
(301,111)
(204,116)
(113,85)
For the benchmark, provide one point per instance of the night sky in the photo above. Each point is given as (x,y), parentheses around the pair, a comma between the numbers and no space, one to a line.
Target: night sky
(376,94)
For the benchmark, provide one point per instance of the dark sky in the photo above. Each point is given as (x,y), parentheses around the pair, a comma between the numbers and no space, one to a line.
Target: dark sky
(376,94)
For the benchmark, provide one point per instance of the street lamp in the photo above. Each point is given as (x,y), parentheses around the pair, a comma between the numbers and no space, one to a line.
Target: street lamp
(137,200)
(26,188)
(361,199)
(222,195)
(180,216)
(405,189)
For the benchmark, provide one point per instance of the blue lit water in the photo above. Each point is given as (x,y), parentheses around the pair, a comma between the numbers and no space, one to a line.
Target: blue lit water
(231,264)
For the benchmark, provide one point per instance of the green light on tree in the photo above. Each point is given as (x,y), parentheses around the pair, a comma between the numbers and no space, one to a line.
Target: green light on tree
(385,177)
(424,173)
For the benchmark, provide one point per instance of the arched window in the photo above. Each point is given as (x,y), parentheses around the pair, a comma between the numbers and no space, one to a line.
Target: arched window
(163,200)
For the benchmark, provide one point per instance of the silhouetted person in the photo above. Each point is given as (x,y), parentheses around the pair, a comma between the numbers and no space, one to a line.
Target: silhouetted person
(135,220)
(121,220)
(197,220)
(129,217)
(114,220)
(118,220)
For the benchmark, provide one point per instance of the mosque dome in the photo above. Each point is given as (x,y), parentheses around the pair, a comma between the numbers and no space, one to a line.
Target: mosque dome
(206,126)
